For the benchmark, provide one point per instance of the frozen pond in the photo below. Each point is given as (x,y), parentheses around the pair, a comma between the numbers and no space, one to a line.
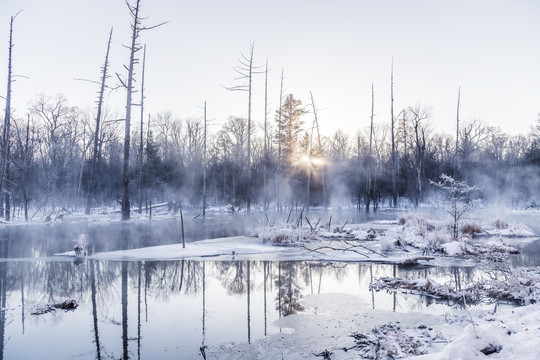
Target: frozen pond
(169,309)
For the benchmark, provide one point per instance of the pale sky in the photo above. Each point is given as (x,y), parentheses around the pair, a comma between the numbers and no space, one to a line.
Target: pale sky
(336,49)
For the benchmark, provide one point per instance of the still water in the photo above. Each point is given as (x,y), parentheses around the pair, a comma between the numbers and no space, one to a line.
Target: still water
(166,309)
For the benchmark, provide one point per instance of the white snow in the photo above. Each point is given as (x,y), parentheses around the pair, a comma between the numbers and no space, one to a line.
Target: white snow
(230,247)
(515,331)
(454,248)
(328,323)
(331,321)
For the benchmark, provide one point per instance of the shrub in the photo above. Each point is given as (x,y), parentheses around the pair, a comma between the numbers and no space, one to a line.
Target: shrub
(500,224)
(471,229)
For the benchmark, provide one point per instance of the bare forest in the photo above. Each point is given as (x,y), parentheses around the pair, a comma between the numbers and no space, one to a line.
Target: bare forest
(59,156)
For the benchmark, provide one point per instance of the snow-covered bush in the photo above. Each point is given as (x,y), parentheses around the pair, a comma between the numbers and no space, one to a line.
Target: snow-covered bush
(510,230)
(387,243)
(284,235)
(521,285)
(436,239)
(454,248)
(458,199)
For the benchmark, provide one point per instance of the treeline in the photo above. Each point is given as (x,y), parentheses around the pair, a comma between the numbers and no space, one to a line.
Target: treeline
(291,163)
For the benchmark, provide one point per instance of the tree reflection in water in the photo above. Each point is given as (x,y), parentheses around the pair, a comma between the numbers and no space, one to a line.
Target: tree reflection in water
(187,305)
(289,295)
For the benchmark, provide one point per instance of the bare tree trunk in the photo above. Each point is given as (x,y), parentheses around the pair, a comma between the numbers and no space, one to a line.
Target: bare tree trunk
(7,124)
(392,122)
(370,154)
(139,185)
(457,135)
(98,124)
(265,162)
(249,129)
(7,214)
(134,10)
(320,149)
(246,69)
(136,28)
(279,172)
(204,165)
(25,169)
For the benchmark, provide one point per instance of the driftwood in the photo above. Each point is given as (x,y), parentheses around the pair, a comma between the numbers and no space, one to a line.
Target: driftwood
(349,247)
(431,288)
(352,248)
(413,261)
(325,354)
(67,305)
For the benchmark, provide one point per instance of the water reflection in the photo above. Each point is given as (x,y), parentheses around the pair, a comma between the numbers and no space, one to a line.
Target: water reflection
(38,241)
(172,309)
(528,256)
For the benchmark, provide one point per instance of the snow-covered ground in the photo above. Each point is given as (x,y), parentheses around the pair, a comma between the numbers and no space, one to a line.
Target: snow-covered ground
(331,325)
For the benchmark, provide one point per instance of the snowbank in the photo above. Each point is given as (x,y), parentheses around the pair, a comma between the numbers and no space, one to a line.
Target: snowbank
(329,323)
(509,334)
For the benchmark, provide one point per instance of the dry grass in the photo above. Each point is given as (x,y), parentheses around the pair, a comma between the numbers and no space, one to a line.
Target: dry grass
(471,229)
(500,224)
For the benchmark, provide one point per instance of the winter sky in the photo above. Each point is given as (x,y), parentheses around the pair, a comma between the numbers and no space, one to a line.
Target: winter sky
(335,49)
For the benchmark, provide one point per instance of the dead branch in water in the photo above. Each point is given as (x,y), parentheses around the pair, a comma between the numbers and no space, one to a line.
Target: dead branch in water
(350,248)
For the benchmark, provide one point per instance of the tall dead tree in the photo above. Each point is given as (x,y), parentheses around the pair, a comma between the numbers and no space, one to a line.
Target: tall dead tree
(246,69)
(136,28)
(265,162)
(104,77)
(7,123)
(280,129)
(204,164)
(392,126)
(319,152)
(24,162)
(457,135)
(141,147)
(419,116)
(370,154)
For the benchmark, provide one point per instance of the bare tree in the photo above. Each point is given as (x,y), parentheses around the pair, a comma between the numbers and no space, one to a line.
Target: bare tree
(24,163)
(246,69)
(265,161)
(104,77)
(418,116)
(319,151)
(279,160)
(134,47)
(7,122)
(370,155)
(457,134)
(139,185)
(204,164)
(392,123)
(474,136)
